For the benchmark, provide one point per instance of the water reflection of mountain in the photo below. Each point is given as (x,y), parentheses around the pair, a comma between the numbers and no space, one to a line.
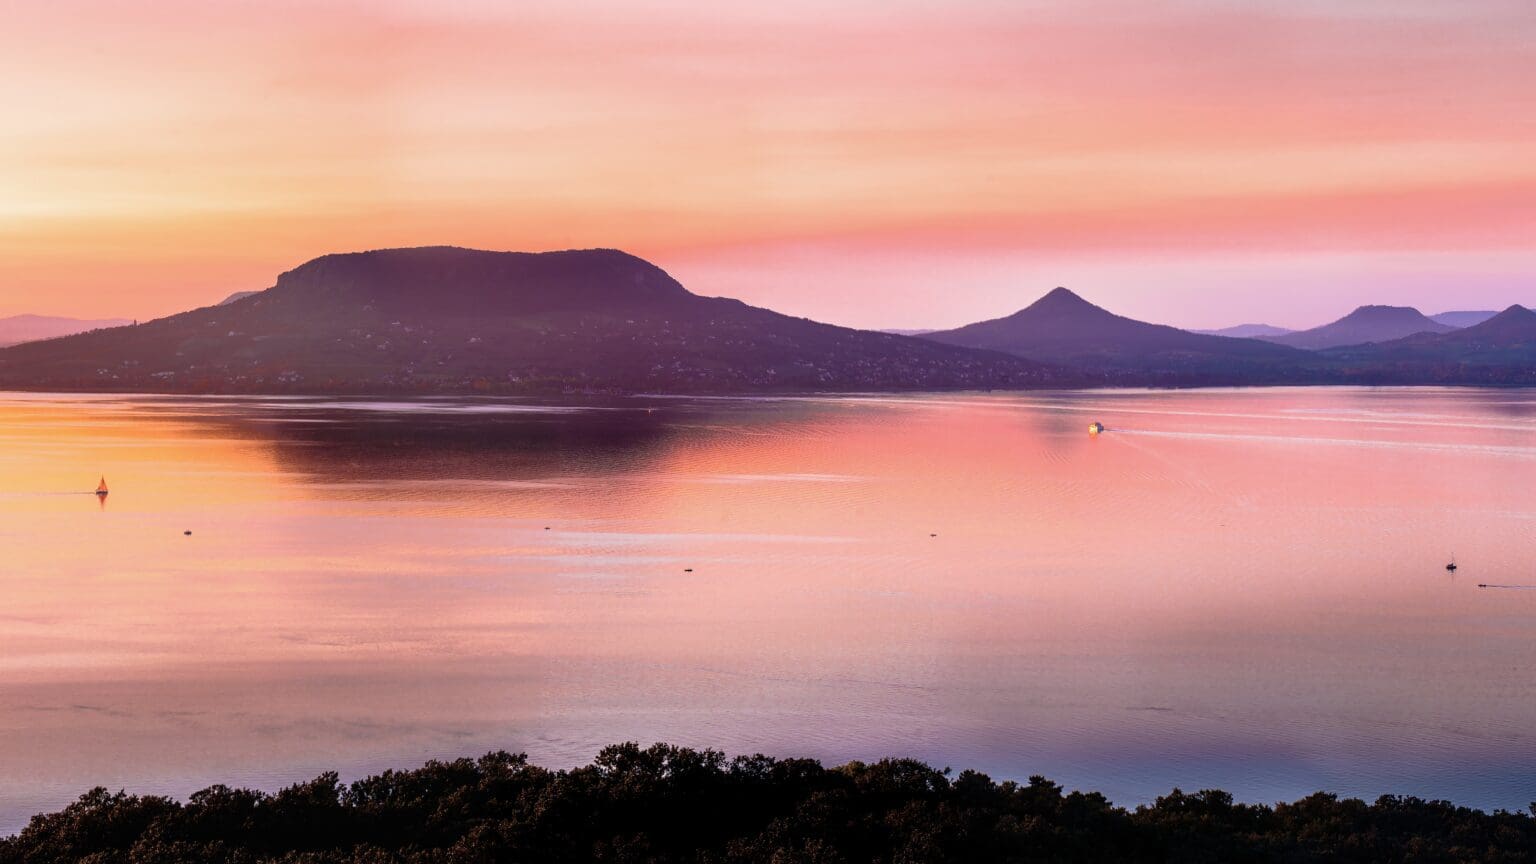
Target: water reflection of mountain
(481,441)
(368,441)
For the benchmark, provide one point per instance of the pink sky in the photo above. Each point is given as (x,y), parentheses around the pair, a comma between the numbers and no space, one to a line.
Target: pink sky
(887,164)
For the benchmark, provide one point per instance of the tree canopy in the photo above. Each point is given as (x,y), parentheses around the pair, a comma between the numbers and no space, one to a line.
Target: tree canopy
(672,804)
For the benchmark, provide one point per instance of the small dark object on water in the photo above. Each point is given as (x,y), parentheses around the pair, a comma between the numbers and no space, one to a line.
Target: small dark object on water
(187,533)
(1451,566)
(687,569)
(546,527)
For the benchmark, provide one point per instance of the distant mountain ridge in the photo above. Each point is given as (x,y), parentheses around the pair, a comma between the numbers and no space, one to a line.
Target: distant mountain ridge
(451,320)
(1065,329)
(1500,351)
(31,328)
(1365,324)
(1513,327)
(1463,319)
(445,319)
(1247,331)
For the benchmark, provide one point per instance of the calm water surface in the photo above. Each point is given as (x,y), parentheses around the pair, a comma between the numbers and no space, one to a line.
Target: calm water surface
(1238,589)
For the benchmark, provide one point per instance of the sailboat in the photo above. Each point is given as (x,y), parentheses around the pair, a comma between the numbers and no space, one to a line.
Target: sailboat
(1452,566)
(101,488)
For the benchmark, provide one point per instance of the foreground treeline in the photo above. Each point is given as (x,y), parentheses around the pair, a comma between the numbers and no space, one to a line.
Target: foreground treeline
(670,804)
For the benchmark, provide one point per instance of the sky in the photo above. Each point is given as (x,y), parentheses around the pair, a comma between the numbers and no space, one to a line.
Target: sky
(901,163)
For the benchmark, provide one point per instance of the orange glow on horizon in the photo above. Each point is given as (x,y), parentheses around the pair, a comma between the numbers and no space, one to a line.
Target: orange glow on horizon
(153,160)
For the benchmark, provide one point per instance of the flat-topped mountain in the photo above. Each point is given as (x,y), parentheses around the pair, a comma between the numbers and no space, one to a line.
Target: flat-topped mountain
(1063,328)
(444,281)
(443,319)
(1514,329)
(451,320)
(1499,351)
(30,328)
(1365,324)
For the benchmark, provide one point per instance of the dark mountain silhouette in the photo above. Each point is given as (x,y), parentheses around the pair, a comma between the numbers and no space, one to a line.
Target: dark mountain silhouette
(1499,351)
(1247,331)
(1515,327)
(1365,324)
(1063,328)
(1463,319)
(30,328)
(443,319)
(237,296)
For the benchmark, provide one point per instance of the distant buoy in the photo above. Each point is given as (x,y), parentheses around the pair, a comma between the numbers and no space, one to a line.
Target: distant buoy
(1095,428)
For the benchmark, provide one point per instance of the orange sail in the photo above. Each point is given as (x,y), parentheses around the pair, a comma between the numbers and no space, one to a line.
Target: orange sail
(101,488)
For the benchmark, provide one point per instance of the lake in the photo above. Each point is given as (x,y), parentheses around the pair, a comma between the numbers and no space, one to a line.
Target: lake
(1243,589)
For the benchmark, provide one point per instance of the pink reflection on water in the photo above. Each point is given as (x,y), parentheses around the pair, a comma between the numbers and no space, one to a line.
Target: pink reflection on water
(1229,588)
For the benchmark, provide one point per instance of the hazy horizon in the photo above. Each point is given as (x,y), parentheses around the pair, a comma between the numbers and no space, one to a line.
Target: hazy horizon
(1023,302)
(908,165)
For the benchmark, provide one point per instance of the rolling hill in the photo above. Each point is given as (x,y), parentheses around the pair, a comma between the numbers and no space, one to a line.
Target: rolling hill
(1463,318)
(445,319)
(1247,331)
(1063,328)
(1500,351)
(1365,324)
